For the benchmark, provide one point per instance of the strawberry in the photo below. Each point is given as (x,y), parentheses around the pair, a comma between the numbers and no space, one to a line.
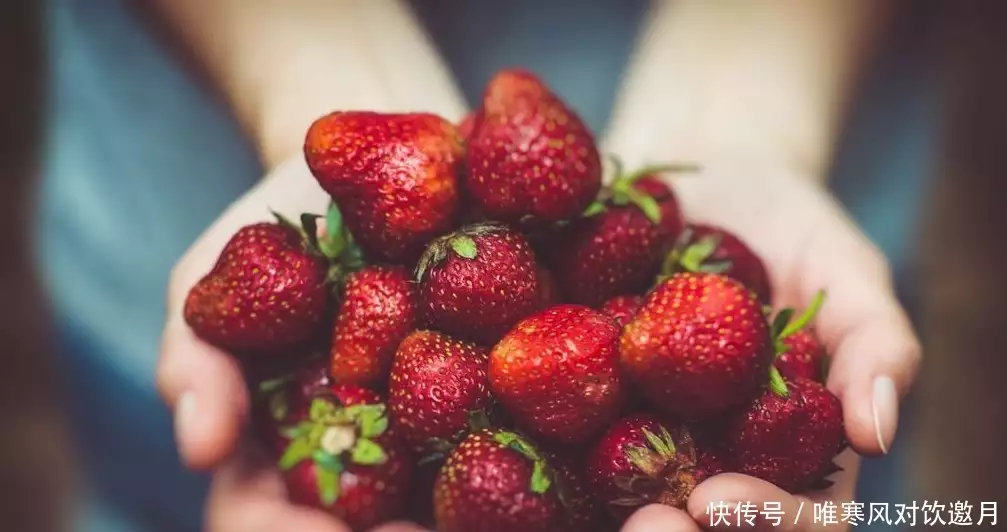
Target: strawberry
(378,310)
(436,384)
(266,294)
(496,481)
(477,282)
(622,308)
(557,373)
(788,436)
(619,246)
(393,176)
(641,460)
(805,357)
(345,460)
(799,353)
(708,248)
(285,400)
(699,346)
(529,155)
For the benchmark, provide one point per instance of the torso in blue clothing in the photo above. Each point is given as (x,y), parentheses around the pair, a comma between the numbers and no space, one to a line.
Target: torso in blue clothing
(141,160)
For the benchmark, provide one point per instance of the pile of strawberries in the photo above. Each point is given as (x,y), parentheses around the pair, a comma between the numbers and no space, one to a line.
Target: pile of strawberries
(481,335)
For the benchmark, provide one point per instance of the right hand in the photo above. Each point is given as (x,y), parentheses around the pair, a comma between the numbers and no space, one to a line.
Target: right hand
(205,388)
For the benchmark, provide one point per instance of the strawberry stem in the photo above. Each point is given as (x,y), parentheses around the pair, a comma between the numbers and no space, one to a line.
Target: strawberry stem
(594,209)
(647,204)
(806,317)
(777,384)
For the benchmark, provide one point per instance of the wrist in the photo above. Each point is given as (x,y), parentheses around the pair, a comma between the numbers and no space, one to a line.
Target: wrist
(286,70)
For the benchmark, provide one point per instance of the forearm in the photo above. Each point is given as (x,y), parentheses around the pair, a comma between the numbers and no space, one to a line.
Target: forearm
(282,64)
(754,79)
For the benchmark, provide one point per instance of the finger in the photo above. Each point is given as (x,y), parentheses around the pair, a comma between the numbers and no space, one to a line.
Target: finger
(206,391)
(660,518)
(727,500)
(247,495)
(875,352)
(732,501)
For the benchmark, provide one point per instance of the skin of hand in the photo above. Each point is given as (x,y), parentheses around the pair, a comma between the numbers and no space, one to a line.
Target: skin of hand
(806,239)
(808,243)
(205,387)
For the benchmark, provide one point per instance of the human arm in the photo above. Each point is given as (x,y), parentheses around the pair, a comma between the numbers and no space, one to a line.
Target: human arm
(278,67)
(281,65)
(755,94)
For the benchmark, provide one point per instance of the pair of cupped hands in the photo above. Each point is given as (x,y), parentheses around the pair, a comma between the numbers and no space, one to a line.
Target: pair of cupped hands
(805,238)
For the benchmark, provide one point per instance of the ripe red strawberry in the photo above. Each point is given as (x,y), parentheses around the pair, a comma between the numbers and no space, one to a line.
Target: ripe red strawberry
(284,401)
(394,177)
(622,308)
(700,346)
(620,244)
(557,373)
(799,353)
(266,294)
(650,184)
(378,310)
(344,460)
(655,187)
(496,481)
(477,282)
(805,357)
(436,384)
(529,155)
(641,460)
(707,248)
(788,436)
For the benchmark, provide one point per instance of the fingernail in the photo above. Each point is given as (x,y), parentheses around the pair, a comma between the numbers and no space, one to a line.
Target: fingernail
(185,412)
(885,404)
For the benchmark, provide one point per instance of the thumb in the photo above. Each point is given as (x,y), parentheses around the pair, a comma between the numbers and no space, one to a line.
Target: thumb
(205,389)
(875,352)
(660,518)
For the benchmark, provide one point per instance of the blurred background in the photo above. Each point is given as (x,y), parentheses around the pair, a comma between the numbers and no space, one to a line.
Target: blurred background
(919,166)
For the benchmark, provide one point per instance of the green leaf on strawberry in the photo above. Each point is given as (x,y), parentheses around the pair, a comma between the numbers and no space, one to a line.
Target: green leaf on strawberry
(328,485)
(297,451)
(540,478)
(367,452)
(464,246)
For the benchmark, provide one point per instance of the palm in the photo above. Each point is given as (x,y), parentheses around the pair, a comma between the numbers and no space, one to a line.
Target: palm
(804,238)
(808,244)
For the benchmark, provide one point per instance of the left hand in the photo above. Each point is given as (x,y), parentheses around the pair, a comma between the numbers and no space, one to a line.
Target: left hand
(808,243)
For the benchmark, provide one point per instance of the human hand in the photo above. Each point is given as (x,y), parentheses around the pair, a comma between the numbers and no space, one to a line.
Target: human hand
(206,390)
(808,243)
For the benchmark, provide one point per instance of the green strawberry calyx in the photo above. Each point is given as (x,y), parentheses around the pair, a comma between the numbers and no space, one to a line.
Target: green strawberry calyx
(694,255)
(335,243)
(461,243)
(333,436)
(785,325)
(622,192)
(651,459)
(666,472)
(542,475)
